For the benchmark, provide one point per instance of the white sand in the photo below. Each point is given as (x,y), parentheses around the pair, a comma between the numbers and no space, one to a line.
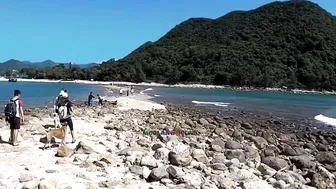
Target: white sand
(29,159)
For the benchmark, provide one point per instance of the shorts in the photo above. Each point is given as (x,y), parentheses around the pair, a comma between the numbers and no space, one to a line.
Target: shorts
(15,123)
(69,122)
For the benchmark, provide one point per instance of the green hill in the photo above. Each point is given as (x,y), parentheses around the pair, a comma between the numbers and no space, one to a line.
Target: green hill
(289,44)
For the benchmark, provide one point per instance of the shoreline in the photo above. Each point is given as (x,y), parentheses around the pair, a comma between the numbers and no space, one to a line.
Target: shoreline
(197,86)
(223,151)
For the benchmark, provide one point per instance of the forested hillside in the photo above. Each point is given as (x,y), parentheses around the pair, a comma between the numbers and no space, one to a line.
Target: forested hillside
(289,44)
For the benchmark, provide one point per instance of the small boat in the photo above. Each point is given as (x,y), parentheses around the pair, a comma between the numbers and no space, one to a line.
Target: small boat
(12,80)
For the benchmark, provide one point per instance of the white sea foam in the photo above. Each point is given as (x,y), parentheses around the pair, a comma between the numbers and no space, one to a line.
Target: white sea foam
(222,104)
(156,95)
(148,89)
(326,120)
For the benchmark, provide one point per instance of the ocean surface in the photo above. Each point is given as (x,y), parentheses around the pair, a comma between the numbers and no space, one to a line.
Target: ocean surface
(314,107)
(43,94)
(295,106)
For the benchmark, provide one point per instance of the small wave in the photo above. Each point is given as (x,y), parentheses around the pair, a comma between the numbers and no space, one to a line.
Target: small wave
(156,95)
(325,119)
(148,89)
(222,104)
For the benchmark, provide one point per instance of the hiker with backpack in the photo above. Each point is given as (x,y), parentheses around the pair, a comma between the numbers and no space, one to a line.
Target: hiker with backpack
(64,109)
(14,116)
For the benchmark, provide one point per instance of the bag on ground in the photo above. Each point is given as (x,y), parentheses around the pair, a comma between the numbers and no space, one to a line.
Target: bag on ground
(10,109)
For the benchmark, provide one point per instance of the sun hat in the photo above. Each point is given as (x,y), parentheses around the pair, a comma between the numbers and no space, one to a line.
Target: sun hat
(65,95)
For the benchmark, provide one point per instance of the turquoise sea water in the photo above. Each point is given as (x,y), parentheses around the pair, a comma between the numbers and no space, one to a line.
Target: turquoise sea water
(43,94)
(273,103)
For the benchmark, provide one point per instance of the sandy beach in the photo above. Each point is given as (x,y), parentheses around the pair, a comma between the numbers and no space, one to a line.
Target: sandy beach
(111,151)
(120,83)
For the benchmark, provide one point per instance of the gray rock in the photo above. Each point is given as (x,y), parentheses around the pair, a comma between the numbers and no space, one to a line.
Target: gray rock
(219,131)
(131,151)
(265,169)
(237,134)
(64,151)
(82,148)
(175,172)
(246,125)
(144,142)
(322,147)
(233,145)
(326,157)
(268,137)
(158,173)
(135,169)
(182,158)
(199,155)
(239,154)
(150,119)
(275,162)
(285,177)
(157,146)
(218,142)
(148,161)
(203,121)
(219,166)
(303,161)
(218,158)
(207,185)
(26,178)
(310,146)
(146,172)
(30,185)
(216,148)
(225,183)
(256,184)
(292,151)
(260,142)
(190,123)
(47,184)
(162,154)
(280,184)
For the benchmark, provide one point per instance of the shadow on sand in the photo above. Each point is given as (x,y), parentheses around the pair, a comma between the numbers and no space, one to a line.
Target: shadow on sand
(3,142)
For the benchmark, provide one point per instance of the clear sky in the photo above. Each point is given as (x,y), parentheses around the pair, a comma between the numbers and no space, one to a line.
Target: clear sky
(85,31)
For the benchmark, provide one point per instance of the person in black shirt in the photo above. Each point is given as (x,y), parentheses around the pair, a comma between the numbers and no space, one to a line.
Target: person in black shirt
(90,99)
(100,100)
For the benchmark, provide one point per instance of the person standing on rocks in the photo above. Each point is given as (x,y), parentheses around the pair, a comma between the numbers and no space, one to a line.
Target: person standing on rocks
(100,100)
(90,99)
(132,90)
(14,116)
(65,102)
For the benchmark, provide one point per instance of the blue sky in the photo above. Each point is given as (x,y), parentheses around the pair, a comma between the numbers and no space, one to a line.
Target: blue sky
(84,31)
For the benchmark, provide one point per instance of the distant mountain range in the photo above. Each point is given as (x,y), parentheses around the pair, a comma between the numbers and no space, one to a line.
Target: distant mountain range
(18,65)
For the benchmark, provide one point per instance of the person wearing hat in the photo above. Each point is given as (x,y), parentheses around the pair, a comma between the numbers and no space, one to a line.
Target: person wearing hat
(57,99)
(63,100)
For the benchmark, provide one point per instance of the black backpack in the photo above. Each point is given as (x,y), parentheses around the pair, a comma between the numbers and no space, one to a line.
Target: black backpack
(10,109)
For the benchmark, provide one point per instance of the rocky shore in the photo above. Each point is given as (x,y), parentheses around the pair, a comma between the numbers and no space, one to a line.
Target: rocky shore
(111,151)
